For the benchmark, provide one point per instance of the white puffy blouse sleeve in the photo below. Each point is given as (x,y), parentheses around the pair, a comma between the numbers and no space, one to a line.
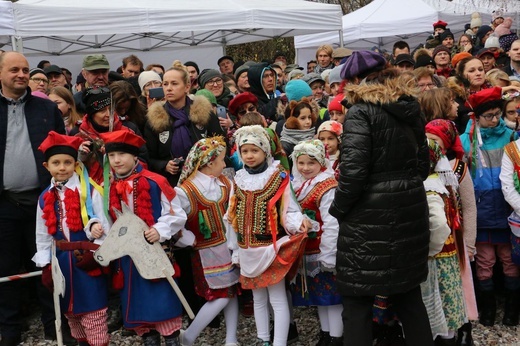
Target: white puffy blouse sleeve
(99,217)
(439,229)
(42,257)
(292,218)
(330,228)
(172,218)
(508,185)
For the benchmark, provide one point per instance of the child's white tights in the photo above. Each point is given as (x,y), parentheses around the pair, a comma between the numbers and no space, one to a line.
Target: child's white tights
(330,319)
(207,313)
(277,296)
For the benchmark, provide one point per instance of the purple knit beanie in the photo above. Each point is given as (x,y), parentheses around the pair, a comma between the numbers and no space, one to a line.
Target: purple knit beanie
(362,61)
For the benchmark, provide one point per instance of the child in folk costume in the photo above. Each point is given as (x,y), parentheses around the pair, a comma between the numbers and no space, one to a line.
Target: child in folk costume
(444,132)
(442,292)
(315,284)
(61,218)
(509,176)
(204,195)
(484,141)
(270,231)
(329,133)
(148,305)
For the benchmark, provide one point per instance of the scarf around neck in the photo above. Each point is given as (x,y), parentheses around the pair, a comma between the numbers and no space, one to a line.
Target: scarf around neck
(181,140)
(258,169)
(294,136)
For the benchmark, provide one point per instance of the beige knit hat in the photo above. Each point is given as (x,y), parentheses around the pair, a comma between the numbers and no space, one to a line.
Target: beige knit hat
(476,20)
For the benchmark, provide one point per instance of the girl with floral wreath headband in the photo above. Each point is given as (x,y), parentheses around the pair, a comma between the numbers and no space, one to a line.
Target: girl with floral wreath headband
(270,231)
(445,134)
(442,291)
(315,284)
(204,194)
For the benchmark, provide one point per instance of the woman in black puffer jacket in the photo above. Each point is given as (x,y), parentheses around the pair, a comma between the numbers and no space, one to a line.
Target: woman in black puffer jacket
(380,202)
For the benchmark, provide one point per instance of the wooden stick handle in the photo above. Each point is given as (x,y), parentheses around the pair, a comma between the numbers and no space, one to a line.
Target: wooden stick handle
(179,294)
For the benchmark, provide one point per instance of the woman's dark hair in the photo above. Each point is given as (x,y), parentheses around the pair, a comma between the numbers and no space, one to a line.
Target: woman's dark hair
(123,91)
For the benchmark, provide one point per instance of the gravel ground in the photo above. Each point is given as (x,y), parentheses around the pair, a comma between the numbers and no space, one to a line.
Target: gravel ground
(308,327)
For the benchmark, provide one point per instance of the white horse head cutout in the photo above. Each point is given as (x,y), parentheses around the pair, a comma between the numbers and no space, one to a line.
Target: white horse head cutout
(126,237)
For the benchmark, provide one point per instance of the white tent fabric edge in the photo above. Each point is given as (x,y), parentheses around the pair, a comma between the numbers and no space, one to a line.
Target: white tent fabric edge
(162,23)
(383,22)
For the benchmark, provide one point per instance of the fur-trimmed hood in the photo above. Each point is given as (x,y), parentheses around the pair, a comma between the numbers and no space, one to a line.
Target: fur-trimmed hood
(393,96)
(199,114)
(376,93)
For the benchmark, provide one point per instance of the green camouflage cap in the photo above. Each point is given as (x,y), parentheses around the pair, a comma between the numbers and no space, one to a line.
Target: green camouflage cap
(95,62)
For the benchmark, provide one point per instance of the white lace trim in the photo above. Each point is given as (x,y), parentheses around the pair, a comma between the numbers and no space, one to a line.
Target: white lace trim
(434,183)
(253,182)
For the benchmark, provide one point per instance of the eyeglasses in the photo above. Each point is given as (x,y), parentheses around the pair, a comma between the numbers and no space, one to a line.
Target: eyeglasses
(217,81)
(490,116)
(39,80)
(244,111)
(268,75)
(462,42)
(426,86)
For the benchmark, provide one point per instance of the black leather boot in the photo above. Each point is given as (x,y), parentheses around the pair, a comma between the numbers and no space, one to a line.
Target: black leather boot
(152,339)
(464,337)
(172,340)
(445,342)
(335,341)
(511,308)
(324,338)
(488,308)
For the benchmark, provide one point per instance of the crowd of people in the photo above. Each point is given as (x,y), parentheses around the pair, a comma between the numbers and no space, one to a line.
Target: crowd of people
(381,188)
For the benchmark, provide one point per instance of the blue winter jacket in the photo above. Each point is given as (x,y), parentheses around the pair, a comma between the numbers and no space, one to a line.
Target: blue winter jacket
(492,209)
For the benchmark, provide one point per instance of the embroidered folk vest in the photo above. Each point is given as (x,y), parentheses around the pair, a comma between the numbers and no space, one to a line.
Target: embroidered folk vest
(253,228)
(512,151)
(205,217)
(311,207)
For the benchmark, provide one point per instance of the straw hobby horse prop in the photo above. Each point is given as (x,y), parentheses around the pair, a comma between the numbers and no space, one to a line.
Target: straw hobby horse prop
(126,237)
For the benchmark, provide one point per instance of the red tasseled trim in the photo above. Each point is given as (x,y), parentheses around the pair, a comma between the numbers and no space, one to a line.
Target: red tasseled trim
(143,209)
(114,202)
(49,214)
(73,211)
(120,190)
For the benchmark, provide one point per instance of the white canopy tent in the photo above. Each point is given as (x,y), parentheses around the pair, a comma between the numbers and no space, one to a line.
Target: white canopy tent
(163,30)
(383,22)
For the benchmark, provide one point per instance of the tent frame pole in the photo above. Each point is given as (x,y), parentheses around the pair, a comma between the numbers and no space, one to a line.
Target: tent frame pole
(17,44)
(340,31)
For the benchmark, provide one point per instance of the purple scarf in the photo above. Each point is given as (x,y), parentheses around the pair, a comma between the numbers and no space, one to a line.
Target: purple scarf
(181,140)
